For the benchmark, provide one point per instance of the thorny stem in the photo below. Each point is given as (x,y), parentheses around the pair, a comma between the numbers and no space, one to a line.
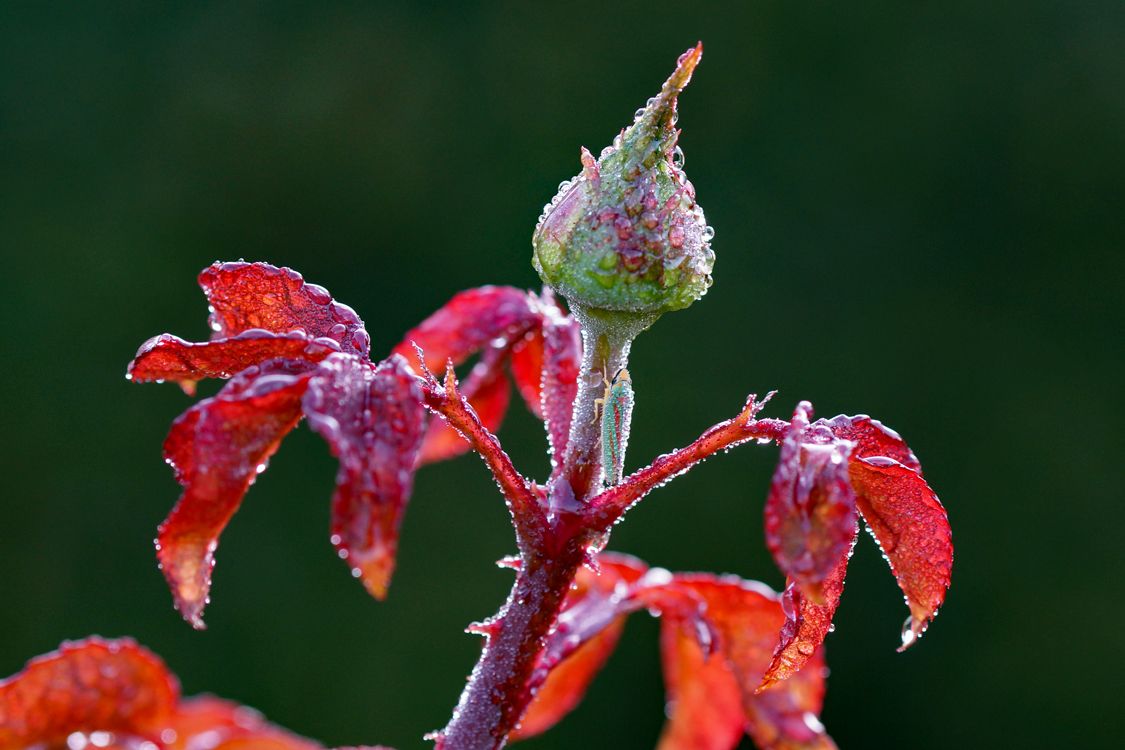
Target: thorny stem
(554,545)
(605,350)
(446,401)
(609,506)
(499,688)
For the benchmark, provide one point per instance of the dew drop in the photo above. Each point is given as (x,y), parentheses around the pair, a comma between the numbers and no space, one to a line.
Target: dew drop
(318,294)
(909,637)
(812,722)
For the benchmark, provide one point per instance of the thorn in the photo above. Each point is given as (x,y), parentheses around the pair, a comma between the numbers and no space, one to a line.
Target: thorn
(754,406)
(422,361)
(590,560)
(450,378)
(590,167)
(513,562)
(486,628)
(803,412)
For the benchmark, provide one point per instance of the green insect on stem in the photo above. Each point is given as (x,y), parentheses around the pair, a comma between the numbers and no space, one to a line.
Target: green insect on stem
(617,411)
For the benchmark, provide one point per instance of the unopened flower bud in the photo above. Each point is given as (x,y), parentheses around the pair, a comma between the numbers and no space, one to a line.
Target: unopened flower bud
(625,235)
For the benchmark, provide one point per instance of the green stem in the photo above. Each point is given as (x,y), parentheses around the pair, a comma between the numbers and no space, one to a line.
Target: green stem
(606,340)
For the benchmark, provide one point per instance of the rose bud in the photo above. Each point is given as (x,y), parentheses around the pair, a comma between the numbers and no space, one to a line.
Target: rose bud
(626,235)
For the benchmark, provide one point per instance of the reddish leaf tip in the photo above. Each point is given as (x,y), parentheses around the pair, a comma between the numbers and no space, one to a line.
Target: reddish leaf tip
(685,66)
(186,566)
(912,631)
(372,419)
(376,575)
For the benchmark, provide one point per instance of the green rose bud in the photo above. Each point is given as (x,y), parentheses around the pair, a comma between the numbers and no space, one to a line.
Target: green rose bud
(625,236)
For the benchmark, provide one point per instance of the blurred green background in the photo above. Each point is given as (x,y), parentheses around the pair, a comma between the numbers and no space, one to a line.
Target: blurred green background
(919,214)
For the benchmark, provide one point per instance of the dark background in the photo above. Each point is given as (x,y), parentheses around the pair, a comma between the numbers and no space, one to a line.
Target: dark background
(919,215)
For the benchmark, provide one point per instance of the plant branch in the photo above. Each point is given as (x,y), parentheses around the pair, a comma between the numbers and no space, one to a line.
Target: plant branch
(446,401)
(606,339)
(500,687)
(610,505)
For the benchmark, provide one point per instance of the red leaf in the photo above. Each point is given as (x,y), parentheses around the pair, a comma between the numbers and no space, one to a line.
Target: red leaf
(117,695)
(496,317)
(217,448)
(468,322)
(567,683)
(258,295)
(746,617)
(704,702)
(903,514)
(221,725)
(488,393)
(373,419)
(807,622)
(86,686)
(810,512)
(787,716)
(562,353)
(527,370)
(591,624)
(872,438)
(912,528)
(168,357)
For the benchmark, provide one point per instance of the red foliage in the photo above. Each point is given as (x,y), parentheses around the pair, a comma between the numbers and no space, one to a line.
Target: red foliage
(257,295)
(117,695)
(167,357)
(279,337)
(488,392)
(373,419)
(739,659)
(581,646)
(217,448)
(93,685)
(725,685)
(810,512)
(826,472)
(903,514)
(718,638)
(562,357)
(500,323)
(527,370)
